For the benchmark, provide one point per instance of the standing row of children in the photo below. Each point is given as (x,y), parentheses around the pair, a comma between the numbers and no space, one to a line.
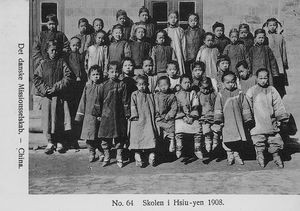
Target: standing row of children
(199,93)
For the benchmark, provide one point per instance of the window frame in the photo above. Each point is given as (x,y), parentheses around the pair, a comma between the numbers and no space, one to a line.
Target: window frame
(168,7)
(178,6)
(41,18)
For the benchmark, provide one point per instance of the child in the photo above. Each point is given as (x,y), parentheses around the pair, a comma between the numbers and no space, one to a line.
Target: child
(223,65)
(127,76)
(278,47)
(194,40)
(207,98)
(231,111)
(97,54)
(118,48)
(246,36)
(147,21)
(246,79)
(269,113)
(98,26)
(172,73)
(90,125)
(140,49)
(186,120)
(39,51)
(162,53)
(51,80)
(235,50)
(165,108)
(126,23)
(178,41)
(198,70)
(143,132)
(112,110)
(83,35)
(261,56)
(147,71)
(208,54)
(221,41)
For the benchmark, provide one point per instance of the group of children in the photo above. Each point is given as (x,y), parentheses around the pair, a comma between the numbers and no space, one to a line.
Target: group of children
(133,88)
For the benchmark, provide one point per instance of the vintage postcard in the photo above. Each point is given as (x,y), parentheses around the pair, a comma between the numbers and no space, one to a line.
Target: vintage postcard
(150,104)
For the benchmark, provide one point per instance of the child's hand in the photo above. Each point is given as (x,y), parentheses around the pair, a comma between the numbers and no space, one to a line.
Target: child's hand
(78,79)
(99,119)
(50,91)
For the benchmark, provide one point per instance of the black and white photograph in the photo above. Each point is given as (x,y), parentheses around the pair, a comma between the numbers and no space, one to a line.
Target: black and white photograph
(170,97)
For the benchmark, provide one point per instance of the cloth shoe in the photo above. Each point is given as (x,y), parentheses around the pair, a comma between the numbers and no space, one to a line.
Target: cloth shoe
(230,158)
(49,149)
(277,160)
(60,148)
(237,158)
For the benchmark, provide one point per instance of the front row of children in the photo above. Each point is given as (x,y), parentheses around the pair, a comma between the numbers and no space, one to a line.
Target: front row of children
(121,111)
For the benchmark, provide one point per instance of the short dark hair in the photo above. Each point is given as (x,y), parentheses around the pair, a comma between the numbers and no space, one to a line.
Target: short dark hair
(242,63)
(50,43)
(218,24)
(185,76)
(164,78)
(73,38)
(83,20)
(128,59)
(208,34)
(233,30)
(259,31)
(52,17)
(97,68)
(195,14)
(228,73)
(262,70)
(142,77)
(117,26)
(115,63)
(208,81)
(147,59)
(244,26)
(199,63)
(174,63)
(143,9)
(223,58)
(98,19)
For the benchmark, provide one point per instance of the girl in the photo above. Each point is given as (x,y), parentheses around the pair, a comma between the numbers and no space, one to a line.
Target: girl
(246,80)
(143,132)
(98,26)
(127,76)
(172,73)
(139,48)
(178,41)
(198,70)
(165,108)
(231,111)
(39,51)
(278,47)
(147,71)
(235,50)
(147,21)
(83,35)
(269,113)
(162,53)
(221,41)
(194,39)
(123,20)
(97,54)
(90,125)
(246,36)
(118,48)
(261,56)
(208,54)
(51,80)
(186,120)
(112,110)
(207,98)
(223,65)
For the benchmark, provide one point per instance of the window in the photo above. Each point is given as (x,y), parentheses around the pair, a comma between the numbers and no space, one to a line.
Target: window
(185,8)
(47,9)
(160,14)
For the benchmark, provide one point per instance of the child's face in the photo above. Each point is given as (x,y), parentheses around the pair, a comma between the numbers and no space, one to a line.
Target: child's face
(172,19)
(243,33)
(272,26)
(82,27)
(160,38)
(197,72)
(147,67)
(171,70)
(117,34)
(141,85)
(144,16)
(113,73)
(205,87)
(243,72)
(98,25)
(193,21)
(224,65)
(185,84)
(140,33)
(51,25)
(75,45)
(52,52)
(234,37)
(263,79)
(260,38)
(209,41)
(99,38)
(229,82)
(163,86)
(127,67)
(95,76)
(121,19)
(219,31)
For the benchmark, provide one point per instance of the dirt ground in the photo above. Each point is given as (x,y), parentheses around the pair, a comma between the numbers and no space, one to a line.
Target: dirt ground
(72,173)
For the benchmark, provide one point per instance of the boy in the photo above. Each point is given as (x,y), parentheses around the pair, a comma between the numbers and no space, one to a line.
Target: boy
(172,73)
(198,70)
(223,64)
(269,113)
(246,79)
(147,70)
(221,41)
